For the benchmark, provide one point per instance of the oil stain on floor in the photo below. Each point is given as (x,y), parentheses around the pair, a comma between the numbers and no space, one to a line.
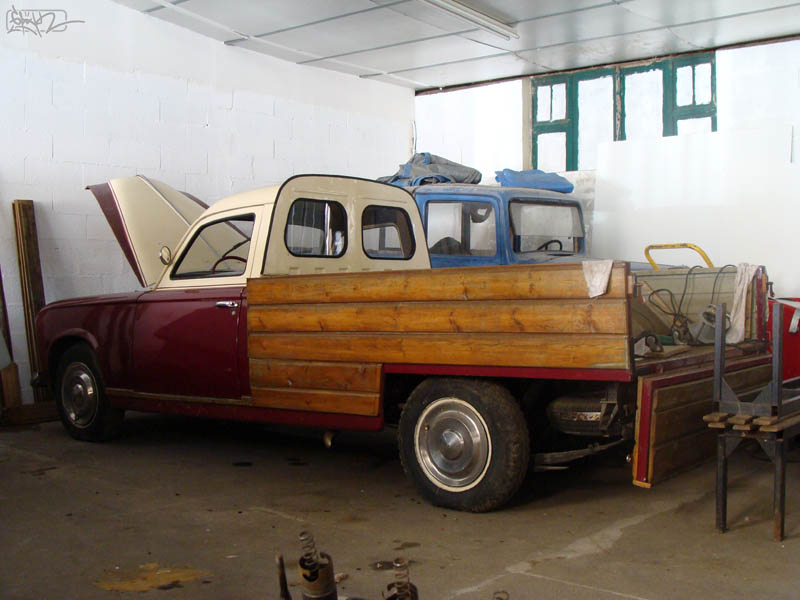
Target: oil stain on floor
(148,577)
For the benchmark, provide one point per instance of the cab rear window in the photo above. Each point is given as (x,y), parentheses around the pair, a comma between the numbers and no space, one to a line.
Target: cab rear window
(316,228)
(386,233)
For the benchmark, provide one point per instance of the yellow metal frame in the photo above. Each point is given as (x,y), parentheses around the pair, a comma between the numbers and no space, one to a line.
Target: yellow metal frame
(694,247)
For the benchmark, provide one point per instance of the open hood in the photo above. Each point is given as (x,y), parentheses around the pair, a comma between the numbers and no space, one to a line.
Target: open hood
(146,215)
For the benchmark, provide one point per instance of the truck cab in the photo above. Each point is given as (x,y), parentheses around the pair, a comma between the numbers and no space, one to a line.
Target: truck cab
(478,225)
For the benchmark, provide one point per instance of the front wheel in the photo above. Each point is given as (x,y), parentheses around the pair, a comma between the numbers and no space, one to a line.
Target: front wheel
(464,443)
(80,397)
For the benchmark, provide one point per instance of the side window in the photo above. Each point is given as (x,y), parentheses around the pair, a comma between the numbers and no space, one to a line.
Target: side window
(386,233)
(461,228)
(219,249)
(316,228)
(545,227)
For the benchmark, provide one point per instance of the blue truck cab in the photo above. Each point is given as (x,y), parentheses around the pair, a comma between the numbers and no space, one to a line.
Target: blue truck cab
(472,225)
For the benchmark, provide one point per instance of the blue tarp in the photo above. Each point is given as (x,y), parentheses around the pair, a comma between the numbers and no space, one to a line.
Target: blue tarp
(534,178)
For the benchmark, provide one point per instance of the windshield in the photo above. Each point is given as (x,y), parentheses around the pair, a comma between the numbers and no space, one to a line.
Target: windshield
(545,227)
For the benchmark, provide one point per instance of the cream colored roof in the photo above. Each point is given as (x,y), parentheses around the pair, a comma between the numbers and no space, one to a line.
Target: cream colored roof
(257,197)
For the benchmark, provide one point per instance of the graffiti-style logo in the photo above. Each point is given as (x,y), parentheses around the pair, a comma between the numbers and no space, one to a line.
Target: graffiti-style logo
(38,22)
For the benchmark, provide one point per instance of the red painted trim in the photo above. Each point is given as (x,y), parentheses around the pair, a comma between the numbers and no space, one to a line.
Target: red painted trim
(643,443)
(649,386)
(672,364)
(761,284)
(252,413)
(514,372)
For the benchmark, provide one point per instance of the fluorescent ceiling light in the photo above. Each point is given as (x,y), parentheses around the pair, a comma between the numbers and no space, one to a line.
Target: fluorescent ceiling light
(473,17)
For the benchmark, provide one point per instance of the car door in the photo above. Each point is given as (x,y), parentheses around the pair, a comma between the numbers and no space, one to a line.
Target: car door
(186,332)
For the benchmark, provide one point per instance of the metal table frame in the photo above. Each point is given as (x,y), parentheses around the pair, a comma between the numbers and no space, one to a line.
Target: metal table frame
(777,403)
(774,445)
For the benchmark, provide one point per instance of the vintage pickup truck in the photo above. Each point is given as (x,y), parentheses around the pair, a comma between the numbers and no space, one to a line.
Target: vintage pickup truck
(314,304)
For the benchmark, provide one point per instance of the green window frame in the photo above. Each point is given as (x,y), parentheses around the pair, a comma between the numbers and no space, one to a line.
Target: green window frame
(672,112)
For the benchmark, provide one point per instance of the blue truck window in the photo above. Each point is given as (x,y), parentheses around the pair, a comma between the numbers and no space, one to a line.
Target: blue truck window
(461,228)
(540,227)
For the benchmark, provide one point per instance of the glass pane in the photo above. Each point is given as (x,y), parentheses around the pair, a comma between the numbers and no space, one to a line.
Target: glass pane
(684,86)
(559,108)
(543,103)
(462,228)
(687,126)
(551,152)
(644,105)
(316,228)
(218,250)
(541,226)
(702,83)
(444,225)
(595,118)
(482,228)
(386,233)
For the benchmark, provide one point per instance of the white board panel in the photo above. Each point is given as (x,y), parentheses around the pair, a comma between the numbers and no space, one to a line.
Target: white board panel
(734,193)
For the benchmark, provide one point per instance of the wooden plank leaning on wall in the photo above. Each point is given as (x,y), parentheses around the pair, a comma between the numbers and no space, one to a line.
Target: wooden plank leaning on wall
(341,329)
(30,272)
(9,374)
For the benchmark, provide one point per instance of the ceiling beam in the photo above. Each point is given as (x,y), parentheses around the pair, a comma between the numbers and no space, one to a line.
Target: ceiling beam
(318,22)
(598,38)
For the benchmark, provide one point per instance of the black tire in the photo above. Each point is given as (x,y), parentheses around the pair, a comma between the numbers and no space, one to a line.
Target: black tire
(81,399)
(464,443)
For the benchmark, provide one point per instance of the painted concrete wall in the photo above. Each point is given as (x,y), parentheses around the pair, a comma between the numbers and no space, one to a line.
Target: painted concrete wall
(479,127)
(759,86)
(733,192)
(123,94)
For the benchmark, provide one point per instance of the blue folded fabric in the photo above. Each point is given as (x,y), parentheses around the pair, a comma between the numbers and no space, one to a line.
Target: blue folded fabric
(534,178)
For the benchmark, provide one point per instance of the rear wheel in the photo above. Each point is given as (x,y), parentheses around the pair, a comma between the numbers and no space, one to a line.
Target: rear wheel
(464,443)
(80,397)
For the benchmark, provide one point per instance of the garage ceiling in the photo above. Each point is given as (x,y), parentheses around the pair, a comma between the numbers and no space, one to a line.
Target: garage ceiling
(424,44)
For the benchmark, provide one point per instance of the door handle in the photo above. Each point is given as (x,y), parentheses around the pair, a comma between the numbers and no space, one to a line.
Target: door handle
(227,304)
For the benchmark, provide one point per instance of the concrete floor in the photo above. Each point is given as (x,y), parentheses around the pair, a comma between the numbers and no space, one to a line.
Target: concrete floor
(200,509)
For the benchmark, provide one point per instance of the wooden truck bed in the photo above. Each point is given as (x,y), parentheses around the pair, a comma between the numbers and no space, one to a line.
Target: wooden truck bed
(319,342)
(324,343)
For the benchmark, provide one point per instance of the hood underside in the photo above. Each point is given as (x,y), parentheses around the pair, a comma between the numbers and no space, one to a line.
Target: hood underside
(146,215)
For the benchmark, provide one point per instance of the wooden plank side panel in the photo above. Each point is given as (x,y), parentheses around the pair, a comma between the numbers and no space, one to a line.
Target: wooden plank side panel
(671,397)
(677,420)
(663,397)
(597,351)
(328,401)
(682,453)
(563,280)
(675,423)
(274,373)
(527,316)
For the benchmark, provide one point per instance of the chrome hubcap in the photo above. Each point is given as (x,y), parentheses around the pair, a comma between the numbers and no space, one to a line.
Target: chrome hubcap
(452,444)
(79,394)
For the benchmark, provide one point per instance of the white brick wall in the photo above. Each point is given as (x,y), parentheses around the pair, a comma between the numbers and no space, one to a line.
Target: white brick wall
(69,122)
